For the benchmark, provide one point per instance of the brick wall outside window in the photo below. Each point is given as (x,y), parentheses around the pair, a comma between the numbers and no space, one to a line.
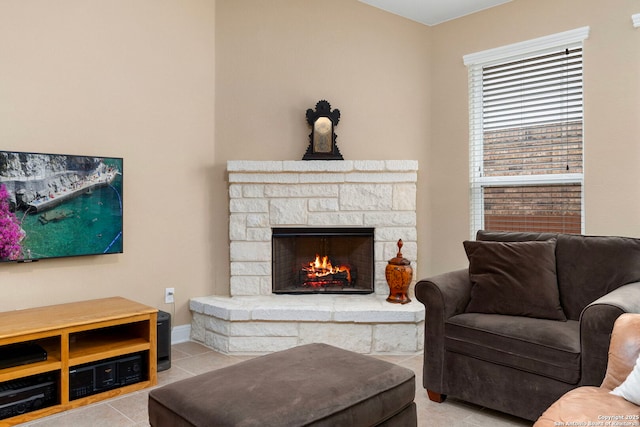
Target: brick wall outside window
(533,150)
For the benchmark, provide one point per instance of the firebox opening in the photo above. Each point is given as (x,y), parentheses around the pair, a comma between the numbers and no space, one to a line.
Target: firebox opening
(322,260)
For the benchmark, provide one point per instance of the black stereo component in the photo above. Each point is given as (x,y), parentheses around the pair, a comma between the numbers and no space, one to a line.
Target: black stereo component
(27,394)
(21,354)
(92,378)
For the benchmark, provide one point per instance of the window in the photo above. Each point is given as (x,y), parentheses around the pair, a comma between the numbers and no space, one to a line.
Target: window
(526,145)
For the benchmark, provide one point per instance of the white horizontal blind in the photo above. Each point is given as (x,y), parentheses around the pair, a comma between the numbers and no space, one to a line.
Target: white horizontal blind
(526,165)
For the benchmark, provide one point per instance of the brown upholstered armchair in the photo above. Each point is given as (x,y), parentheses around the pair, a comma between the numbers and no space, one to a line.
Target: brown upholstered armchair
(596,405)
(521,361)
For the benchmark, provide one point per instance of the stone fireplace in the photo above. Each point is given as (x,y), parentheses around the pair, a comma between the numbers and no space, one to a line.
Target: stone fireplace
(271,201)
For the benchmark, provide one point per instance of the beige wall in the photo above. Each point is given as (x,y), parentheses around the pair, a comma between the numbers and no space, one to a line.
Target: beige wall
(120,78)
(612,112)
(142,79)
(178,87)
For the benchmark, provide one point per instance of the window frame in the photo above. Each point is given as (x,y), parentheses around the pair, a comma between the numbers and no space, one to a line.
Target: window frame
(475,63)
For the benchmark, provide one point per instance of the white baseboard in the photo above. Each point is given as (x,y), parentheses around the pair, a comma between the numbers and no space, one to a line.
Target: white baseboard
(180,333)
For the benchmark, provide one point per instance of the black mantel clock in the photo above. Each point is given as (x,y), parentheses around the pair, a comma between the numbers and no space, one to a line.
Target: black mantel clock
(322,139)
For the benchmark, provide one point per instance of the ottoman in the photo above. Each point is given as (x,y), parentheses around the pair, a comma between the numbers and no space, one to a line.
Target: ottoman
(309,385)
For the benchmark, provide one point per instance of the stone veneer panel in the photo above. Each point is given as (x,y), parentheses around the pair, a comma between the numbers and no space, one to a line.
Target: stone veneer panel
(359,193)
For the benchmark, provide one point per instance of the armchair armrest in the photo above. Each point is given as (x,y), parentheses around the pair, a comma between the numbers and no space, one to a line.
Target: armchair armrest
(446,294)
(443,296)
(596,324)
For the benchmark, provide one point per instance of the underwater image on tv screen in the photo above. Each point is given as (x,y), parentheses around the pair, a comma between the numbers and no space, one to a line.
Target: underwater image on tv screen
(55,205)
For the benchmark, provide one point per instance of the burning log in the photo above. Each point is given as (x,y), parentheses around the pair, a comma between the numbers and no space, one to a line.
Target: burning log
(321,273)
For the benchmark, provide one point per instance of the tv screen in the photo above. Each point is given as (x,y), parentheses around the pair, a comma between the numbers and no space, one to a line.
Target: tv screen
(57,205)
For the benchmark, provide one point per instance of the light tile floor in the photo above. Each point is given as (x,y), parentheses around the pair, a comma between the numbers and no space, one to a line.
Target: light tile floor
(189,359)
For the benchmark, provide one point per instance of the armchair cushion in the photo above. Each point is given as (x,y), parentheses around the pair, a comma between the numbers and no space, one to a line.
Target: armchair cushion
(540,346)
(514,278)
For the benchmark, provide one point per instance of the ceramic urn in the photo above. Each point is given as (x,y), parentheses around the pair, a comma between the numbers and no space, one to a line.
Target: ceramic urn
(399,274)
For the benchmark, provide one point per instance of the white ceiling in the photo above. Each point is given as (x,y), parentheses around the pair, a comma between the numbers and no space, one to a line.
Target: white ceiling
(432,12)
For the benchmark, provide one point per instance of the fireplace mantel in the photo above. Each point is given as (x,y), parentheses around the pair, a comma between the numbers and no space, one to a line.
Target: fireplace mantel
(380,194)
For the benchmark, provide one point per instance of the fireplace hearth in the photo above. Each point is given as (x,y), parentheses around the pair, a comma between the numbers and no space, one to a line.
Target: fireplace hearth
(323,260)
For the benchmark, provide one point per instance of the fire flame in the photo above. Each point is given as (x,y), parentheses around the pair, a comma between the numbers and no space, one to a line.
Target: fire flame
(322,267)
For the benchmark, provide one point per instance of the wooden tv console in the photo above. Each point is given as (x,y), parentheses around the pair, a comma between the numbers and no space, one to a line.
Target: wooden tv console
(75,334)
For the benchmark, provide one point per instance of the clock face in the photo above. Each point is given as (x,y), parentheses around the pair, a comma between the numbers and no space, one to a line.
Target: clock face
(322,135)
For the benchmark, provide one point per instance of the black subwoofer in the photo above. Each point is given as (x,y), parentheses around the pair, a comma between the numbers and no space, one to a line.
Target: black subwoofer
(164,340)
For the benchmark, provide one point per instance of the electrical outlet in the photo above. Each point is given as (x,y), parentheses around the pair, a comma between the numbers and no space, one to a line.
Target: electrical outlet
(169,293)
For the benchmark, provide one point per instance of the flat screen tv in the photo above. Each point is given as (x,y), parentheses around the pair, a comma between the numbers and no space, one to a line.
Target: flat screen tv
(58,205)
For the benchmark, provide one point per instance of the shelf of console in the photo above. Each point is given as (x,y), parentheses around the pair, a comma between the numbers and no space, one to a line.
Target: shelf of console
(52,410)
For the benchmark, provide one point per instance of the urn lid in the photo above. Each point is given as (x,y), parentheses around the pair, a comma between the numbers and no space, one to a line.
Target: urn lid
(399,259)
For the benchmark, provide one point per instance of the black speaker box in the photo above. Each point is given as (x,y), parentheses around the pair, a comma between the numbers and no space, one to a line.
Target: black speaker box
(164,340)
